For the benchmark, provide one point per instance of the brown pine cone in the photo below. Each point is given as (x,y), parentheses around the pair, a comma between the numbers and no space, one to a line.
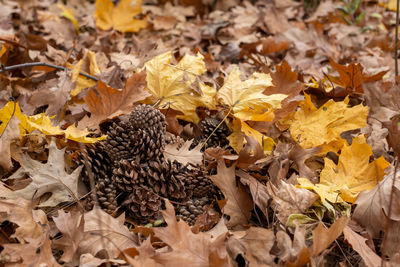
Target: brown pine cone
(214,132)
(142,204)
(192,209)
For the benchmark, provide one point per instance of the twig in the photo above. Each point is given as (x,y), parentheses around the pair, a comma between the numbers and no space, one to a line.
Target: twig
(396,43)
(34,64)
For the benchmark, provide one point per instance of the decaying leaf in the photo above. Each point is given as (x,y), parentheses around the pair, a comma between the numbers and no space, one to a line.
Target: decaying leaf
(353,174)
(239,203)
(50,177)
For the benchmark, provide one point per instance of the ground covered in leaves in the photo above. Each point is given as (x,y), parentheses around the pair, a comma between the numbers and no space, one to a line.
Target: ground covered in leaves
(281,115)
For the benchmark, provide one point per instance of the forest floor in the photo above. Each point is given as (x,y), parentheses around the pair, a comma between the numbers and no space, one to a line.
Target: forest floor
(199,133)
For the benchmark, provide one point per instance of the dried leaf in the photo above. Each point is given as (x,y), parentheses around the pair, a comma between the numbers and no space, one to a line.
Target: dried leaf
(358,244)
(105,102)
(102,231)
(239,203)
(8,134)
(49,177)
(184,154)
(192,249)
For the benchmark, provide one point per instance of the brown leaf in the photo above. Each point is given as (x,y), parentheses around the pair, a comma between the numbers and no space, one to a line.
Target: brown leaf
(20,212)
(373,206)
(10,133)
(239,203)
(102,231)
(255,246)
(358,244)
(145,257)
(290,251)
(187,248)
(251,152)
(36,253)
(71,226)
(289,199)
(322,237)
(105,102)
(184,154)
(299,155)
(259,192)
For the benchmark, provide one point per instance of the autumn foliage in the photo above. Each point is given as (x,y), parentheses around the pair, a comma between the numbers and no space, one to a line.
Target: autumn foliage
(308,175)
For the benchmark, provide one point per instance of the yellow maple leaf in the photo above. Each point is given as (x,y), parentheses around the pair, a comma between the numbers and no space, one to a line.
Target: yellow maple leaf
(353,174)
(42,123)
(312,127)
(246,98)
(119,17)
(171,84)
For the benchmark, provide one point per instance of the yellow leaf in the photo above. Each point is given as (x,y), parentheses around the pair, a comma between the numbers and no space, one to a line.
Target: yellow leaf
(3,50)
(353,174)
(246,98)
(312,127)
(119,17)
(68,14)
(391,4)
(171,84)
(81,81)
(43,124)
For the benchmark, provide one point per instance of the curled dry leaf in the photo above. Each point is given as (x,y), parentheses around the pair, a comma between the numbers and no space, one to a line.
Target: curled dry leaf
(288,199)
(289,249)
(49,177)
(184,154)
(188,248)
(7,135)
(239,203)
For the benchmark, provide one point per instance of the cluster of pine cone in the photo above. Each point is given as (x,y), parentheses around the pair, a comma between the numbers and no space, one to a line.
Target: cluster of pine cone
(130,170)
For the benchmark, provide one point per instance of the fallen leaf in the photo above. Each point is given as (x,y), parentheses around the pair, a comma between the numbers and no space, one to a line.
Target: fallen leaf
(105,102)
(289,250)
(145,257)
(357,242)
(192,249)
(88,260)
(353,174)
(48,177)
(239,203)
(37,253)
(246,98)
(184,154)
(102,231)
(119,17)
(21,212)
(171,84)
(8,133)
(323,237)
(312,127)
(71,226)
(288,200)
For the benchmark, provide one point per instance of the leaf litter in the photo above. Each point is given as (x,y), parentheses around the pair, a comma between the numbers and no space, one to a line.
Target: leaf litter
(279,145)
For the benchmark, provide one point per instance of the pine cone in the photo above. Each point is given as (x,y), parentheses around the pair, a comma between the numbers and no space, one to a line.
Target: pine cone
(191,210)
(215,131)
(141,135)
(143,204)
(163,177)
(100,164)
(198,184)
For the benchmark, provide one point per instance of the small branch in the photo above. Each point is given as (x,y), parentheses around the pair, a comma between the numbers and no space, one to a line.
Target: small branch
(34,64)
